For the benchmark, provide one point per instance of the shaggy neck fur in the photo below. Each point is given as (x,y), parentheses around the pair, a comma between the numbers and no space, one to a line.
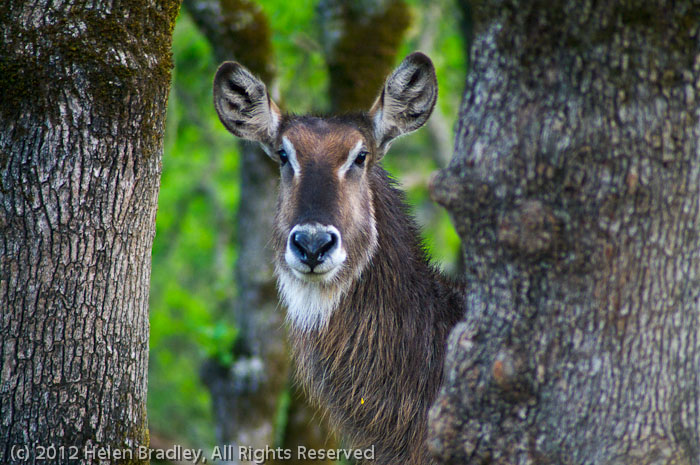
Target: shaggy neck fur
(377,364)
(309,305)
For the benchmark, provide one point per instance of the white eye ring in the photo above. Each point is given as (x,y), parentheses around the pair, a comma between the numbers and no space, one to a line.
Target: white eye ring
(291,155)
(356,156)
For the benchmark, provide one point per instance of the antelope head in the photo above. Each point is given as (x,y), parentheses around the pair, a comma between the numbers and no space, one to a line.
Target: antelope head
(325,231)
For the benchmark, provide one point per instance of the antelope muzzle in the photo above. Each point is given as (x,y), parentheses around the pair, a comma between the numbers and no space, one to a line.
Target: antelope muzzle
(315,252)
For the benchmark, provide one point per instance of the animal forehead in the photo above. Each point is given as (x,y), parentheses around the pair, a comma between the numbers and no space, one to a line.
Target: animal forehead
(320,139)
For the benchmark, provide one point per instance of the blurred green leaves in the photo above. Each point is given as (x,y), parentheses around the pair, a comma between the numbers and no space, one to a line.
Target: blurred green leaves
(192,283)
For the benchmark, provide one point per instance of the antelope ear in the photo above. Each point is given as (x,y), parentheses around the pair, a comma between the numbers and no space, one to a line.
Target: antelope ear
(406,101)
(244,105)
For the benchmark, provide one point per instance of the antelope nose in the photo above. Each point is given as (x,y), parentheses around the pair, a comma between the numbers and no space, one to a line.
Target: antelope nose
(312,247)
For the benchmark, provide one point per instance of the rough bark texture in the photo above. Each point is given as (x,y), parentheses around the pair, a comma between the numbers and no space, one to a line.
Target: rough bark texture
(575,190)
(83,94)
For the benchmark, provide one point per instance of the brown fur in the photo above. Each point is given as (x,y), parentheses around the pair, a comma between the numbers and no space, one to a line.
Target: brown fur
(385,342)
(376,363)
(324,143)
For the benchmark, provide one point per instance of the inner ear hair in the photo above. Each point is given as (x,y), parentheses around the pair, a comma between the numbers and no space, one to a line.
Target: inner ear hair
(406,100)
(244,105)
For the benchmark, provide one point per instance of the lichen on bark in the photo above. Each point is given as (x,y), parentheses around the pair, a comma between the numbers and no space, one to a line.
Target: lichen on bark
(574,188)
(83,94)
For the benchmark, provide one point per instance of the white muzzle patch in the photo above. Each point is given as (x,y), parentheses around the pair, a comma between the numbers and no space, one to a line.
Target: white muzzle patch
(311,295)
(326,269)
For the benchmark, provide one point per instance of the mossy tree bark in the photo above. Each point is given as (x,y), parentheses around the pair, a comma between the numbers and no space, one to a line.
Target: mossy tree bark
(360,41)
(575,189)
(82,104)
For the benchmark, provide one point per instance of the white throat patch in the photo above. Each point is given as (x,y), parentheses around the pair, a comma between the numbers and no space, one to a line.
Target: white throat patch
(309,304)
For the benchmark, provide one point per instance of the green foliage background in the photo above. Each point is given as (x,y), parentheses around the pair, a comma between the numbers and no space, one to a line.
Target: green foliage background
(192,282)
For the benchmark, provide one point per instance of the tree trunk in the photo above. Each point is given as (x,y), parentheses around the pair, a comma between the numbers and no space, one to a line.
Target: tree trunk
(82,104)
(358,66)
(575,189)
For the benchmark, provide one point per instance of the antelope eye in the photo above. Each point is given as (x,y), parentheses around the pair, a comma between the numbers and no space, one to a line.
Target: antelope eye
(283,156)
(360,158)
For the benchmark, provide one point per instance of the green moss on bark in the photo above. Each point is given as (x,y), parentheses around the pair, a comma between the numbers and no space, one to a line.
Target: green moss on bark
(365,55)
(247,34)
(82,91)
(110,60)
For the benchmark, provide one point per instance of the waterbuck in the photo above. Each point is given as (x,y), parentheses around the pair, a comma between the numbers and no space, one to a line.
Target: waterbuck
(369,316)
